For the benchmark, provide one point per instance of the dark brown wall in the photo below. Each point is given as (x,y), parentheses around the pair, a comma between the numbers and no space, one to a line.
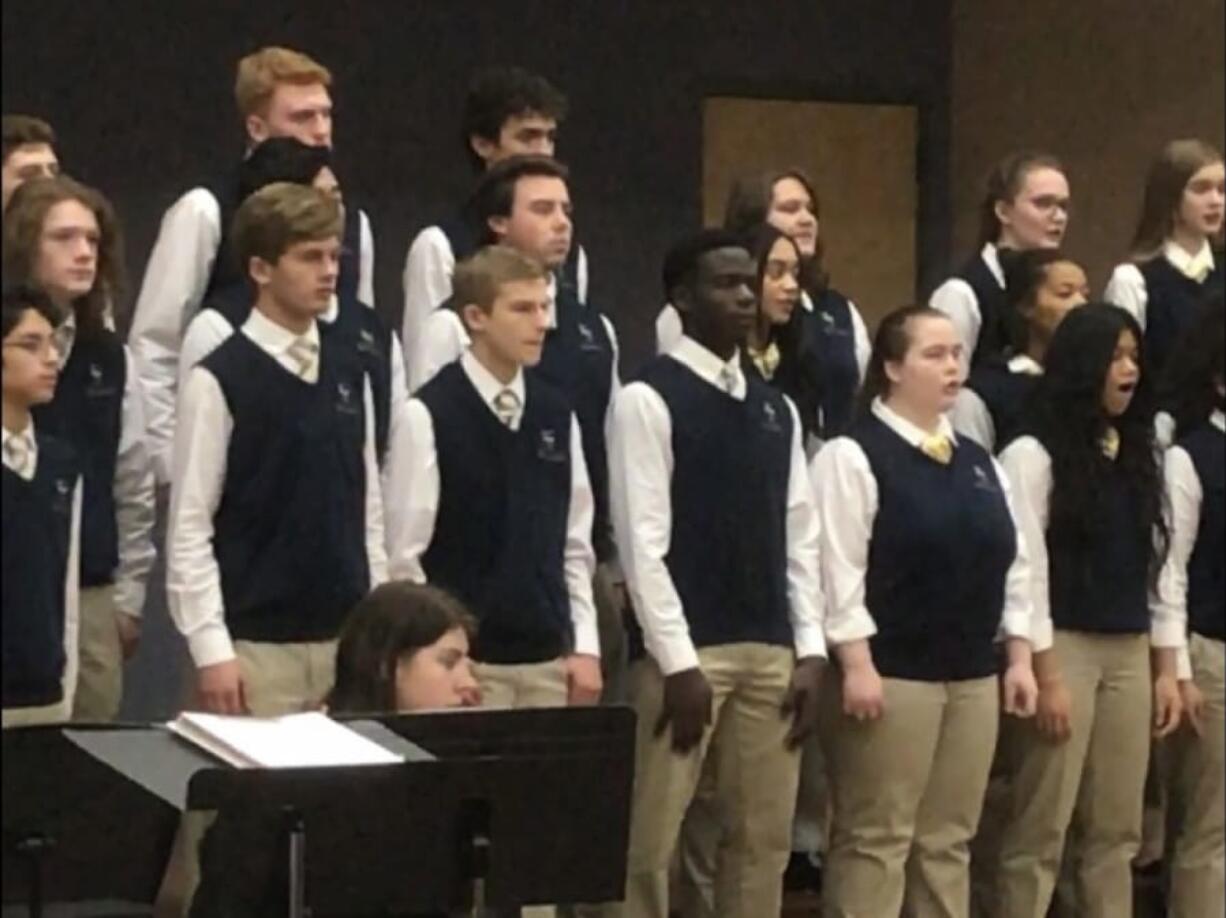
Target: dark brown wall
(141,94)
(140,91)
(1101,83)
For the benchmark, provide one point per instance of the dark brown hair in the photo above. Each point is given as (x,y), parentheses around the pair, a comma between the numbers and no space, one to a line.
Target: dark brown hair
(23,230)
(749,205)
(1005,183)
(393,621)
(19,130)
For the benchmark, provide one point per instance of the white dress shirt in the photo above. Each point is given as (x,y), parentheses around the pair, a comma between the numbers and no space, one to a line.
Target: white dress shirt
(848,500)
(957,299)
(426,280)
(202,442)
(1029,467)
(171,294)
(669,331)
(209,329)
(641,466)
(72,569)
(414,490)
(134,487)
(970,415)
(1128,290)
(1185,495)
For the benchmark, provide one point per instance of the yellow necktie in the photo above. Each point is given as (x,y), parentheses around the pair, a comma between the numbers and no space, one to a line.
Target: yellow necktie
(938,448)
(1110,443)
(767,360)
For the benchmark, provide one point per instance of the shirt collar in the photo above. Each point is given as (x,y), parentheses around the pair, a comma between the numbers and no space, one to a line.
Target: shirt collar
(1218,420)
(27,435)
(991,257)
(908,431)
(1025,365)
(806,301)
(273,338)
(66,337)
(334,310)
(553,300)
(1197,266)
(709,367)
(487,386)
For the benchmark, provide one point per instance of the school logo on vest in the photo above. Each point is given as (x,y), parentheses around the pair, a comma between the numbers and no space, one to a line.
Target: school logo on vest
(984,481)
(587,340)
(346,402)
(61,500)
(548,448)
(97,386)
(830,326)
(366,342)
(770,419)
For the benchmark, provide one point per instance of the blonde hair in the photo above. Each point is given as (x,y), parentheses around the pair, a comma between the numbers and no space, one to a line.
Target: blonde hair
(281,215)
(260,72)
(1168,177)
(479,278)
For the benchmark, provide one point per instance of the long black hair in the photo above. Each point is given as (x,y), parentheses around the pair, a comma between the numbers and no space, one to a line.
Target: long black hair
(1196,370)
(1065,413)
(393,620)
(796,376)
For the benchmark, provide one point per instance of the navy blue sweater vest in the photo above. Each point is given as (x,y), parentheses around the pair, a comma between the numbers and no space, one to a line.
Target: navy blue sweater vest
(829,345)
(1206,580)
(357,326)
(504,504)
(87,413)
(290,529)
(993,308)
(1004,394)
(728,554)
(941,548)
(1099,581)
(1173,300)
(37,519)
(578,362)
(229,288)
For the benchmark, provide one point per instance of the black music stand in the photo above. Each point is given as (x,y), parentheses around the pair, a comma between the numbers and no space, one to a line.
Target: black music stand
(520,808)
(74,829)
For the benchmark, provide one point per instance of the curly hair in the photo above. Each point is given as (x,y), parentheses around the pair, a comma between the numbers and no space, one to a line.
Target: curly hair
(23,229)
(1066,414)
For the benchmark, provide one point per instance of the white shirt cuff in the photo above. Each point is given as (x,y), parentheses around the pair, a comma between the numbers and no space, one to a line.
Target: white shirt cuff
(211,645)
(676,656)
(1167,634)
(587,641)
(1183,665)
(1042,635)
(1016,625)
(856,625)
(810,641)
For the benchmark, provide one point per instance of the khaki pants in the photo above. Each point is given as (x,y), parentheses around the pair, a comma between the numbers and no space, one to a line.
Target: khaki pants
(756,778)
(529,685)
(32,717)
(613,645)
(286,678)
(100,676)
(907,791)
(1096,779)
(277,679)
(1198,868)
